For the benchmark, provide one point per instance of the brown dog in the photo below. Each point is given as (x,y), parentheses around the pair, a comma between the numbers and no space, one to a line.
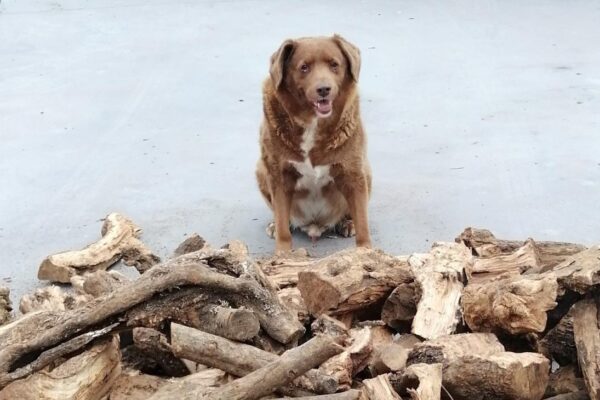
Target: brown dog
(313,170)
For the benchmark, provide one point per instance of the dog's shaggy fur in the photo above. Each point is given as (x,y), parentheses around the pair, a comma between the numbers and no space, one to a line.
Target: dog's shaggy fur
(313,170)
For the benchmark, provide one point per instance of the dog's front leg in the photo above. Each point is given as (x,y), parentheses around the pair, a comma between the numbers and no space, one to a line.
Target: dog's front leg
(282,202)
(354,187)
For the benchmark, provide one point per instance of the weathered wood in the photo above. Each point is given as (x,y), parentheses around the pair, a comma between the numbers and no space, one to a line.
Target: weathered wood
(156,346)
(351,280)
(580,272)
(119,240)
(51,298)
(447,349)
(135,387)
(379,388)
(236,358)
(392,356)
(580,395)
(329,326)
(347,395)
(484,244)
(193,243)
(352,360)
(401,306)
(5,305)
(283,271)
(559,342)
(87,376)
(44,330)
(421,381)
(98,283)
(586,329)
(439,275)
(512,305)
(564,380)
(524,259)
(292,299)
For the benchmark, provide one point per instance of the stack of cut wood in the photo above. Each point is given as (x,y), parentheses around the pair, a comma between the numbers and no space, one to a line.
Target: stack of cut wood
(477,319)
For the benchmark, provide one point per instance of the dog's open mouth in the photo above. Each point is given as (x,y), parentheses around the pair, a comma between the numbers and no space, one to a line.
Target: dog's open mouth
(322,107)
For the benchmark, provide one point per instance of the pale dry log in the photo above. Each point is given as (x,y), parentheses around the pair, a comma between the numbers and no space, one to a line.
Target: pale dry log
(51,298)
(87,376)
(135,387)
(581,272)
(266,343)
(283,271)
(351,280)
(329,326)
(580,395)
(559,342)
(448,349)
(392,356)
(439,275)
(347,395)
(43,330)
(524,259)
(156,346)
(484,244)
(587,340)
(352,360)
(401,306)
(119,240)
(421,381)
(265,380)
(379,388)
(515,306)
(193,243)
(564,380)
(292,299)
(5,305)
(237,358)
(98,283)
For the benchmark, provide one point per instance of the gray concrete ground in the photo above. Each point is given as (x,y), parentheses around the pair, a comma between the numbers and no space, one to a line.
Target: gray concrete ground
(481,113)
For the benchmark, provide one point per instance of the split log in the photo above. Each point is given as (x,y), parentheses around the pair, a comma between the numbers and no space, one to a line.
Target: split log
(525,259)
(401,306)
(193,243)
(448,349)
(559,342)
(439,275)
(87,376)
(484,244)
(392,356)
(236,358)
(99,283)
(135,387)
(5,305)
(352,360)
(587,340)
(43,330)
(284,271)
(265,380)
(379,388)
(329,326)
(347,395)
(564,380)
(580,272)
(51,298)
(580,395)
(351,280)
(292,299)
(119,240)
(421,381)
(156,346)
(513,305)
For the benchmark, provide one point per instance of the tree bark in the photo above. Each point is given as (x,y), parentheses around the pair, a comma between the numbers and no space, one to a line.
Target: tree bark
(587,341)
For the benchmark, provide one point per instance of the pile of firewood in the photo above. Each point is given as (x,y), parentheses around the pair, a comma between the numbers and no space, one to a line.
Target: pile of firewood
(476,319)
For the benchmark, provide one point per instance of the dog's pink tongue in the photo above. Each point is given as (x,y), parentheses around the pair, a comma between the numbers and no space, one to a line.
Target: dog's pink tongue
(324,106)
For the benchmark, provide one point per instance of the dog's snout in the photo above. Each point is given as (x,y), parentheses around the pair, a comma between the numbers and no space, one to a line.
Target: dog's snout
(323,90)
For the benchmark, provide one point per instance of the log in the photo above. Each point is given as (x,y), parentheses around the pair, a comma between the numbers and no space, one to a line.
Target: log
(448,349)
(587,341)
(564,380)
(156,346)
(580,395)
(43,330)
(119,240)
(352,360)
(351,280)
(401,306)
(484,244)
(236,358)
(559,342)
(135,387)
(98,283)
(379,388)
(283,271)
(421,381)
(515,306)
(87,376)
(291,298)
(439,275)
(329,326)
(581,272)
(51,298)
(5,305)
(392,357)
(524,259)
(347,395)
(193,243)
(265,380)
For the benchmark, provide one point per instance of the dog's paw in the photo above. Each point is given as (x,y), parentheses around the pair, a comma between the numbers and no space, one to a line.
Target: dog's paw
(345,228)
(270,229)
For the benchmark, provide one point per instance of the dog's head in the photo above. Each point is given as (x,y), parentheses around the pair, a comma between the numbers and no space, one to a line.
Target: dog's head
(315,70)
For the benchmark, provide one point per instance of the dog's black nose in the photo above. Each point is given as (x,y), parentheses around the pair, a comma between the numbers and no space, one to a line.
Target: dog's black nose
(323,91)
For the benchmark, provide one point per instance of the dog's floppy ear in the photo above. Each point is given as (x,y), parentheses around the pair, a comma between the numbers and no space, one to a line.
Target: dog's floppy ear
(278,61)
(352,54)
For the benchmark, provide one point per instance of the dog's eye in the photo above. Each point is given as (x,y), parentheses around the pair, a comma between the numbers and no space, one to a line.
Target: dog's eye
(334,64)
(304,68)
